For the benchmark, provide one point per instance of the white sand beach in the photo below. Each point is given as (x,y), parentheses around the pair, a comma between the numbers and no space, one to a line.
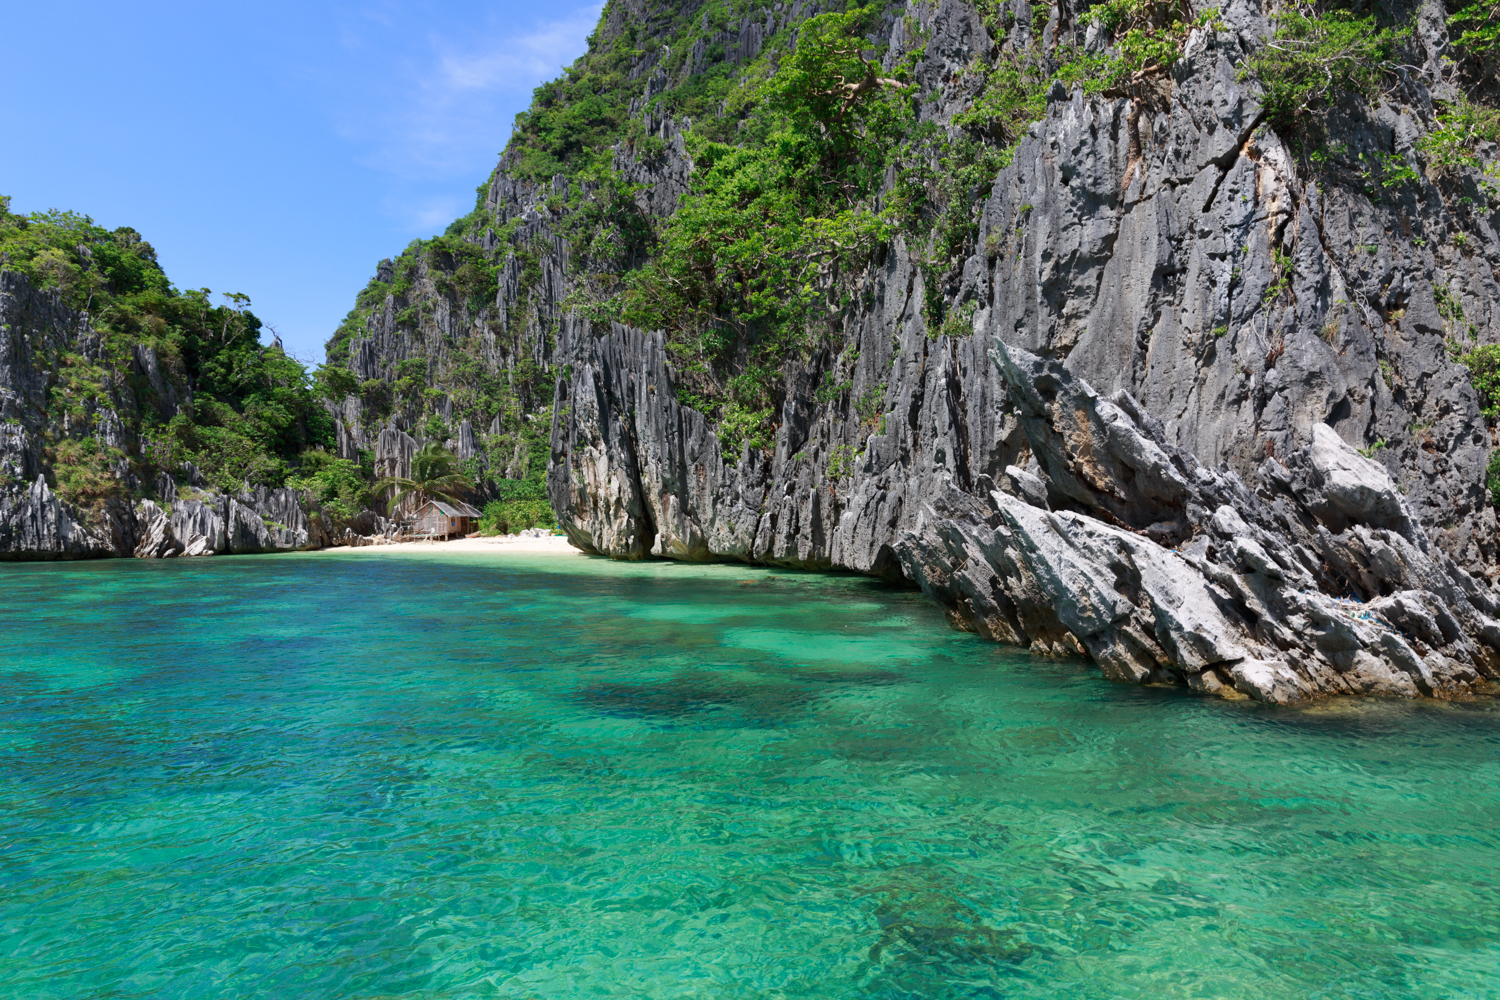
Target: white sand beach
(556,545)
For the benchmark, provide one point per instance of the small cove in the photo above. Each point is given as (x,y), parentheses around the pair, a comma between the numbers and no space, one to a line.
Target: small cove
(433,775)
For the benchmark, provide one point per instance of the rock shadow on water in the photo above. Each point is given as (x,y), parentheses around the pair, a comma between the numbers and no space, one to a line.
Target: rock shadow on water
(851,676)
(932,935)
(689,697)
(761,702)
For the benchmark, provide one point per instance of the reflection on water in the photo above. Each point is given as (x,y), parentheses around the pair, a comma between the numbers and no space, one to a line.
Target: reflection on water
(366,775)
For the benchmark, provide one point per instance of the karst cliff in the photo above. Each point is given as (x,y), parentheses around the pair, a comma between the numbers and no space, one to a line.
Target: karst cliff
(140,420)
(1148,332)
(1156,384)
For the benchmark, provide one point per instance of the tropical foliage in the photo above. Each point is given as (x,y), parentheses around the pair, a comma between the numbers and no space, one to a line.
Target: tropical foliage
(1315,59)
(246,410)
(434,476)
(1483,364)
(341,487)
(523,504)
(744,272)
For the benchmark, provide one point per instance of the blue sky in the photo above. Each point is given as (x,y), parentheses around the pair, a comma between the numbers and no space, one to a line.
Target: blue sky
(277,149)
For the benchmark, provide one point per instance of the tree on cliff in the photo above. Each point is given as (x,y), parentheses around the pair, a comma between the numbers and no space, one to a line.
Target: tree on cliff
(748,265)
(239,410)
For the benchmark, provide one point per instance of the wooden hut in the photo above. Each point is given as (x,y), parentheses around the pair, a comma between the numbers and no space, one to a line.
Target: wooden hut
(440,519)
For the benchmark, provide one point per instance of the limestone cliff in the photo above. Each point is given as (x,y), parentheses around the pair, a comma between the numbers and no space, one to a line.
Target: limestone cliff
(44,410)
(1225,439)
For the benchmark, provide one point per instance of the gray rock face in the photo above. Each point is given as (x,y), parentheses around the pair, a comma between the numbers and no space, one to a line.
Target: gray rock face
(34,329)
(1164,471)
(637,472)
(1176,572)
(1240,300)
(394,449)
(36,523)
(663,177)
(1122,546)
(265,520)
(157,540)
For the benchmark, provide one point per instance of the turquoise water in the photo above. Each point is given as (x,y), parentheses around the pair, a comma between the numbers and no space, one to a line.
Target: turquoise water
(376,775)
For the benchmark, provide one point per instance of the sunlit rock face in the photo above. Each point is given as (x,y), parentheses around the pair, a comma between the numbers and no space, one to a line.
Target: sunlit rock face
(1267,476)
(146,519)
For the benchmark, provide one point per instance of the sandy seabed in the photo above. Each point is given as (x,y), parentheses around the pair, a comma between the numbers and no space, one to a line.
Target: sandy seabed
(499,545)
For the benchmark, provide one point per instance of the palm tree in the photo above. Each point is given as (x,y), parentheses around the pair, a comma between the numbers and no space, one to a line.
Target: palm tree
(433,477)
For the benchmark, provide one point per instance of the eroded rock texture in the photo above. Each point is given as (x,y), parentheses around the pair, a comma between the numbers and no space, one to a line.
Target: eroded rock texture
(1160,568)
(146,519)
(1161,468)
(1241,300)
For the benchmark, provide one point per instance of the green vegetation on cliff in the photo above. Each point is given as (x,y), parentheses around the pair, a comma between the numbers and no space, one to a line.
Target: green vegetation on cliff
(239,410)
(830,161)
(811,155)
(742,276)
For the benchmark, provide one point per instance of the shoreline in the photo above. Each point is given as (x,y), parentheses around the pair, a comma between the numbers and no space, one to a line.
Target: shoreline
(553,545)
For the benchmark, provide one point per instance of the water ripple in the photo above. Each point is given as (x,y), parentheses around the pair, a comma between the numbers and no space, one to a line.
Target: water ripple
(366,776)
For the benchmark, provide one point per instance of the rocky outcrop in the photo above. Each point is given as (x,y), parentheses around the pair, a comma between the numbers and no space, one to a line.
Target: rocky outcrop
(1263,356)
(1119,546)
(1161,569)
(467,341)
(265,520)
(640,474)
(662,174)
(1174,249)
(35,523)
(1278,487)
(35,331)
(38,337)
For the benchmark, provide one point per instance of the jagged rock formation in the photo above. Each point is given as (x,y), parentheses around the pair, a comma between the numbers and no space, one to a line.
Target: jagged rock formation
(156,519)
(1226,329)
(1122,546)
(1181,573)
(634,472)
(35,523)
(1158,274)
(263,520)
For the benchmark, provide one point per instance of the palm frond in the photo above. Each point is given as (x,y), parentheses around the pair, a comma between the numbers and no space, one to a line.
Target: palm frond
(431,479)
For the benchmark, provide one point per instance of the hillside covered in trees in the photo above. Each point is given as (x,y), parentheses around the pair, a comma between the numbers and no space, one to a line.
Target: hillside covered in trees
(116,387)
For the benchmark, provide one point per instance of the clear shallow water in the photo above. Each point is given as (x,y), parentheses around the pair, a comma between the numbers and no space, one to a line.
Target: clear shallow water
(365,775)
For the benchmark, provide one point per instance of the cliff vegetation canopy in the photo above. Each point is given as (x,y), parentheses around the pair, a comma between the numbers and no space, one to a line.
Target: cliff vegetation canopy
(239,410)
(809,156)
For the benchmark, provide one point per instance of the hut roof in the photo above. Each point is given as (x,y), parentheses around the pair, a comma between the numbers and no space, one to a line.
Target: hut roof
(454,509)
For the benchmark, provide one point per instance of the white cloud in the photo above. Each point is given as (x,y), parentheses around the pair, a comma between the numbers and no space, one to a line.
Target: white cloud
(422,93)
(459,97)
(517,60)
(429,214)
